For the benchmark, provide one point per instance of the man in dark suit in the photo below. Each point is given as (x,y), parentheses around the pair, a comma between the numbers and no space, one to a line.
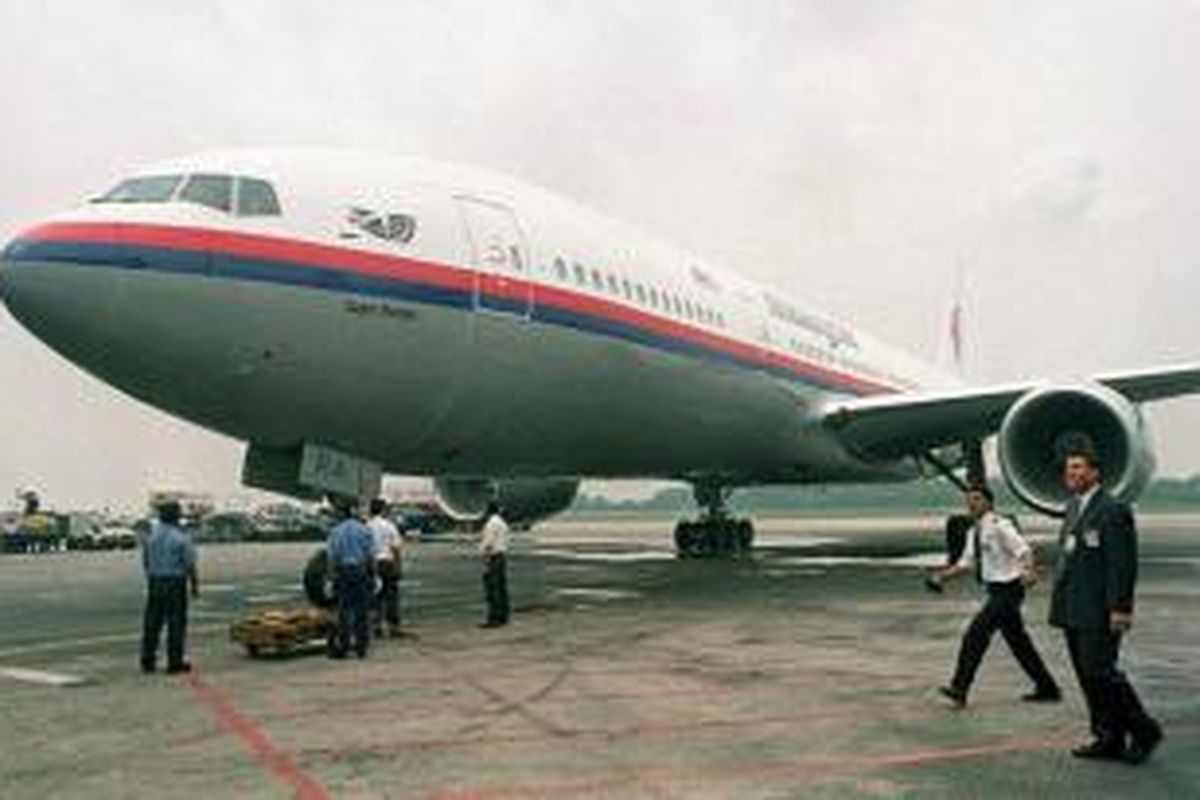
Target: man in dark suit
(1093,603)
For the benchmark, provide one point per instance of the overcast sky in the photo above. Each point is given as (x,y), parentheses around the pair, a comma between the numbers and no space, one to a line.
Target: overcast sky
(851,153)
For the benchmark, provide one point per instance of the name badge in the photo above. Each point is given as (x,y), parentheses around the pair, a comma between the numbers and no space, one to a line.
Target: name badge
(1091,538)
(1069,545)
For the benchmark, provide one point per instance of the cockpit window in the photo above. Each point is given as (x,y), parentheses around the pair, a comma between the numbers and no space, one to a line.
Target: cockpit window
(256,198)
(214,191)
(148,189)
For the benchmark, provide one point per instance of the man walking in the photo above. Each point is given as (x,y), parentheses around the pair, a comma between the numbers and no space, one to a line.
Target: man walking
(1093,604)
(1002,560)
(350,557)
(169,563)
(388,563)
(493,546)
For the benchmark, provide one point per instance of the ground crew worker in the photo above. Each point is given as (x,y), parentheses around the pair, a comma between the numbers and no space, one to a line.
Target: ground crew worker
(169,563)
(351,554)
(1002,560)
(1093,604)
(493,546)
(388,565)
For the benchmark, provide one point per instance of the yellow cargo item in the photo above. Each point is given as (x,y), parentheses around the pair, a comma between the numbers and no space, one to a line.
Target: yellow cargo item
(282,632)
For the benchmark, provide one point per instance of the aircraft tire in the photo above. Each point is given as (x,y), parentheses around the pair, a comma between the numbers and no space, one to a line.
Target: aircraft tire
(318,586)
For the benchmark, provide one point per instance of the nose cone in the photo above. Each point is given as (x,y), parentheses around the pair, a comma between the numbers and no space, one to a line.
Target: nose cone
(3,273)
(15,278)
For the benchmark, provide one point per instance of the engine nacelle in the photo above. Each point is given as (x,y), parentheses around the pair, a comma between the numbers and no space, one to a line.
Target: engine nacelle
(523,501)
(1040,425)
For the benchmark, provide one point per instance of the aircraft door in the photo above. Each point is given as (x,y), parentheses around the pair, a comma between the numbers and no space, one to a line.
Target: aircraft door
(502,282)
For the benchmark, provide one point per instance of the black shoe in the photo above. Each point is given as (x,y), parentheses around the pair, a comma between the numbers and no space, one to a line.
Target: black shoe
(147,667)
(336,655)
(959,699)
(1143,746)
(361,654)
(1043,696)
(181,667)
(1100,749)
(490,624)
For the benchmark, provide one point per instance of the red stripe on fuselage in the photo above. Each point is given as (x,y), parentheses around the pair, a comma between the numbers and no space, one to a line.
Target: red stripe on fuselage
(429,273)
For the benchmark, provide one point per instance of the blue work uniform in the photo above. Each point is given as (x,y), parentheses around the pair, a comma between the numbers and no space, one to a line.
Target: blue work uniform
(168,558)
(351,549)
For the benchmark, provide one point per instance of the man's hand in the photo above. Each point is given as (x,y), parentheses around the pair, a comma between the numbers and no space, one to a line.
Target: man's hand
(1120,621)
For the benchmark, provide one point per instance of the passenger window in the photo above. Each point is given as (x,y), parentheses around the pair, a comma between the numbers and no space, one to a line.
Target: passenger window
(256,198)
(150,189)
(653,297)
(560,268)
(597,281)
(580,274)
(641,294)
(612,285)
(627,289)
(214,191)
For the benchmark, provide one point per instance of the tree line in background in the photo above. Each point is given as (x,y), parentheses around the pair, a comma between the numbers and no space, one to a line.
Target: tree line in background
(1163,494)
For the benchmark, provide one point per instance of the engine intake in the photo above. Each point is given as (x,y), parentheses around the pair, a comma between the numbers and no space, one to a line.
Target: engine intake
(1039,427)
(523,501)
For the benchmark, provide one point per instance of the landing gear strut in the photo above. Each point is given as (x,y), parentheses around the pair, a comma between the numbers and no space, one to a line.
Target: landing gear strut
(716,533)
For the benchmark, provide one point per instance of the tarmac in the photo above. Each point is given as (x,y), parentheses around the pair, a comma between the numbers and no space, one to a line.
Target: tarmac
(806,670)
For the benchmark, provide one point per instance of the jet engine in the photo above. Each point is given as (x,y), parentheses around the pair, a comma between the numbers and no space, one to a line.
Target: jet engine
(523,501)
(1040,427)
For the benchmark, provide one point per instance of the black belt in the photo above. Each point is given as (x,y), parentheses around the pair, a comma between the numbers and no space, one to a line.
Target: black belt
(1013,584)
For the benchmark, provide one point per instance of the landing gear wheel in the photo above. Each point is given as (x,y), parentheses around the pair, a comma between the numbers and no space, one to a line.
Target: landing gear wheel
(318,583)
(745,535)
(713,537)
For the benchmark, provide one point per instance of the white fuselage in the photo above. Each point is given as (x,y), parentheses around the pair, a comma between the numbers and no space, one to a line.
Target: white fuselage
(444,321)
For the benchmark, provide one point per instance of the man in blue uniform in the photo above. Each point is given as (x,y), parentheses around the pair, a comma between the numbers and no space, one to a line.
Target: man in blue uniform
(351,550)
(169,562)
(1093,604)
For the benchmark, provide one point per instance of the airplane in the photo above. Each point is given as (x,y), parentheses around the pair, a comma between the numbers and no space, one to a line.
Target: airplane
(349,314)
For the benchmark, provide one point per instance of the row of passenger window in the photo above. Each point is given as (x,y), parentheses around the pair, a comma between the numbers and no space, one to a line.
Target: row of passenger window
(634,292)
(247,197)
(834,358)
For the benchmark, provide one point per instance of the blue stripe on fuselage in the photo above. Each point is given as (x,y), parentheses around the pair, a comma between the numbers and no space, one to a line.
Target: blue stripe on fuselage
(221,265)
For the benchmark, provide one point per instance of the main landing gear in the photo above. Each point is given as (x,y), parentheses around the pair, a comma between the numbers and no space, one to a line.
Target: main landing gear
(716,533)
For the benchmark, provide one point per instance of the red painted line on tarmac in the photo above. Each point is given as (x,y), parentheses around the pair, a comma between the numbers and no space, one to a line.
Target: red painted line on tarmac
(255,741)
(816,769)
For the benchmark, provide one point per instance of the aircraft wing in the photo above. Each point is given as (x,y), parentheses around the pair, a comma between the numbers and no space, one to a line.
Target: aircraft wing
(897,425)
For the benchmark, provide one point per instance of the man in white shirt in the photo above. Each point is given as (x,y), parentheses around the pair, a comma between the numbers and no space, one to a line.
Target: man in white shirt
(1002,560)
(493,546)
(388,554)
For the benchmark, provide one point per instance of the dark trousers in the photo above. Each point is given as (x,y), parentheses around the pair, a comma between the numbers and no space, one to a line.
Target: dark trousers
(1002,611)
(387,603)
(166,603)
(353,587)
(1113,706)
(495,588)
